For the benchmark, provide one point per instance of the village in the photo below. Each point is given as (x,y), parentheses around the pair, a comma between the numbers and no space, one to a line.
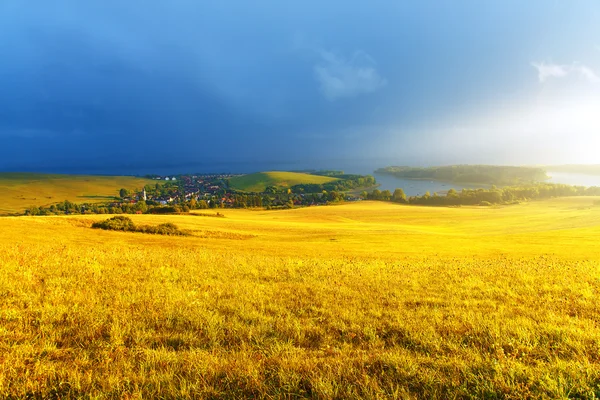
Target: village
(214,191)
(182,192)
(181,188)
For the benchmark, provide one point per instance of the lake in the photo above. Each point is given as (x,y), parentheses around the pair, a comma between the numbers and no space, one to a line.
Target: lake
(419,187)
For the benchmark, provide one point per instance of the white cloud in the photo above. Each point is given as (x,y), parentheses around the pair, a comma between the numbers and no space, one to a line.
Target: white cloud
(546,71)
(339,77)
(587,73)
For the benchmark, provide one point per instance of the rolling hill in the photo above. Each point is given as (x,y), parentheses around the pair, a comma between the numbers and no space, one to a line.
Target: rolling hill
(259,181)
(18,191)
(361,300)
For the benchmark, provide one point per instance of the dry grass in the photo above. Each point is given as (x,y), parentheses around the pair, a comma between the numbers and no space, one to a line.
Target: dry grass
(19,191)
(366,300)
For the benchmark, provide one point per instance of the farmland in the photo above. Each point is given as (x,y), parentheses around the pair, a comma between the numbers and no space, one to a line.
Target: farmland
(362,300)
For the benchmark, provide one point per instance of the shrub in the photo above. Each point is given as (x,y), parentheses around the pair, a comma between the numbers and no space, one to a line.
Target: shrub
(162,229)
(485,203)
(167,229)
(121,223)
(118,223)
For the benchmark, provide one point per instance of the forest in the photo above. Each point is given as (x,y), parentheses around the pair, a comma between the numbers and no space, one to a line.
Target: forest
(484,174)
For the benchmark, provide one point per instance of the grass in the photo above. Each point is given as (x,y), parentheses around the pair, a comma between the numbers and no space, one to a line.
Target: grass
(258,182)
(19,191)
(364,300)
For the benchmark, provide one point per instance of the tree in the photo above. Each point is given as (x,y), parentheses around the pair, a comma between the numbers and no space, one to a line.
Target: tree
(141,206)
(33,210)
(123,193)
(335,196)
(69,207)
(399,196)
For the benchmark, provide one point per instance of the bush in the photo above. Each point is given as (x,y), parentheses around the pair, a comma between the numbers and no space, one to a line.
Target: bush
(485,203)
(167,228)
(121,223)
(162,229)
(118,223)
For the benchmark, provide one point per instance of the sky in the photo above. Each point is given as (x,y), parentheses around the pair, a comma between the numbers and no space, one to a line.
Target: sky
(112,86)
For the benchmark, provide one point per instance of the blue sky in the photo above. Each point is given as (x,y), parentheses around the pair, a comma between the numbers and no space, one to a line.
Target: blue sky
(111,85)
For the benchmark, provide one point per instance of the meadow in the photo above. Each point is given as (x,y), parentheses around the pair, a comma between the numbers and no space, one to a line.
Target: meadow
(259,181)
(19,191)
(361,300)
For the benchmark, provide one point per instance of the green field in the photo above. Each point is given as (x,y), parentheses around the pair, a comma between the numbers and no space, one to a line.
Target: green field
(361,300)
(259,181)
(18,191)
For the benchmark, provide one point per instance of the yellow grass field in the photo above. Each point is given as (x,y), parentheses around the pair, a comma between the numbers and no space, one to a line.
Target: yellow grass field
(361,300)
(18,191)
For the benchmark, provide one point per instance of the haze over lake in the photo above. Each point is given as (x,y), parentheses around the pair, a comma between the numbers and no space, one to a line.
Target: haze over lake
(574,179)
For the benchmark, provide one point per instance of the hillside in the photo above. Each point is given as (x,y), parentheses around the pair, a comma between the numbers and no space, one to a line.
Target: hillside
(259,181)
(18,191)
(362,300)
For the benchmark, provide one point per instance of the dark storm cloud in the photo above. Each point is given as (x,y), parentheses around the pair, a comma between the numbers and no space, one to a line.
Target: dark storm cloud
(97,83)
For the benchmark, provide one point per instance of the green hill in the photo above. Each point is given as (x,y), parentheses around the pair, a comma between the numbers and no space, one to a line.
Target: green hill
(19,191)
(259,181)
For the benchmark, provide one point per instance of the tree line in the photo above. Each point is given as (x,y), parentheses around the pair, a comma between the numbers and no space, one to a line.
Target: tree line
(280,200)
(492,196)
(506,195)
